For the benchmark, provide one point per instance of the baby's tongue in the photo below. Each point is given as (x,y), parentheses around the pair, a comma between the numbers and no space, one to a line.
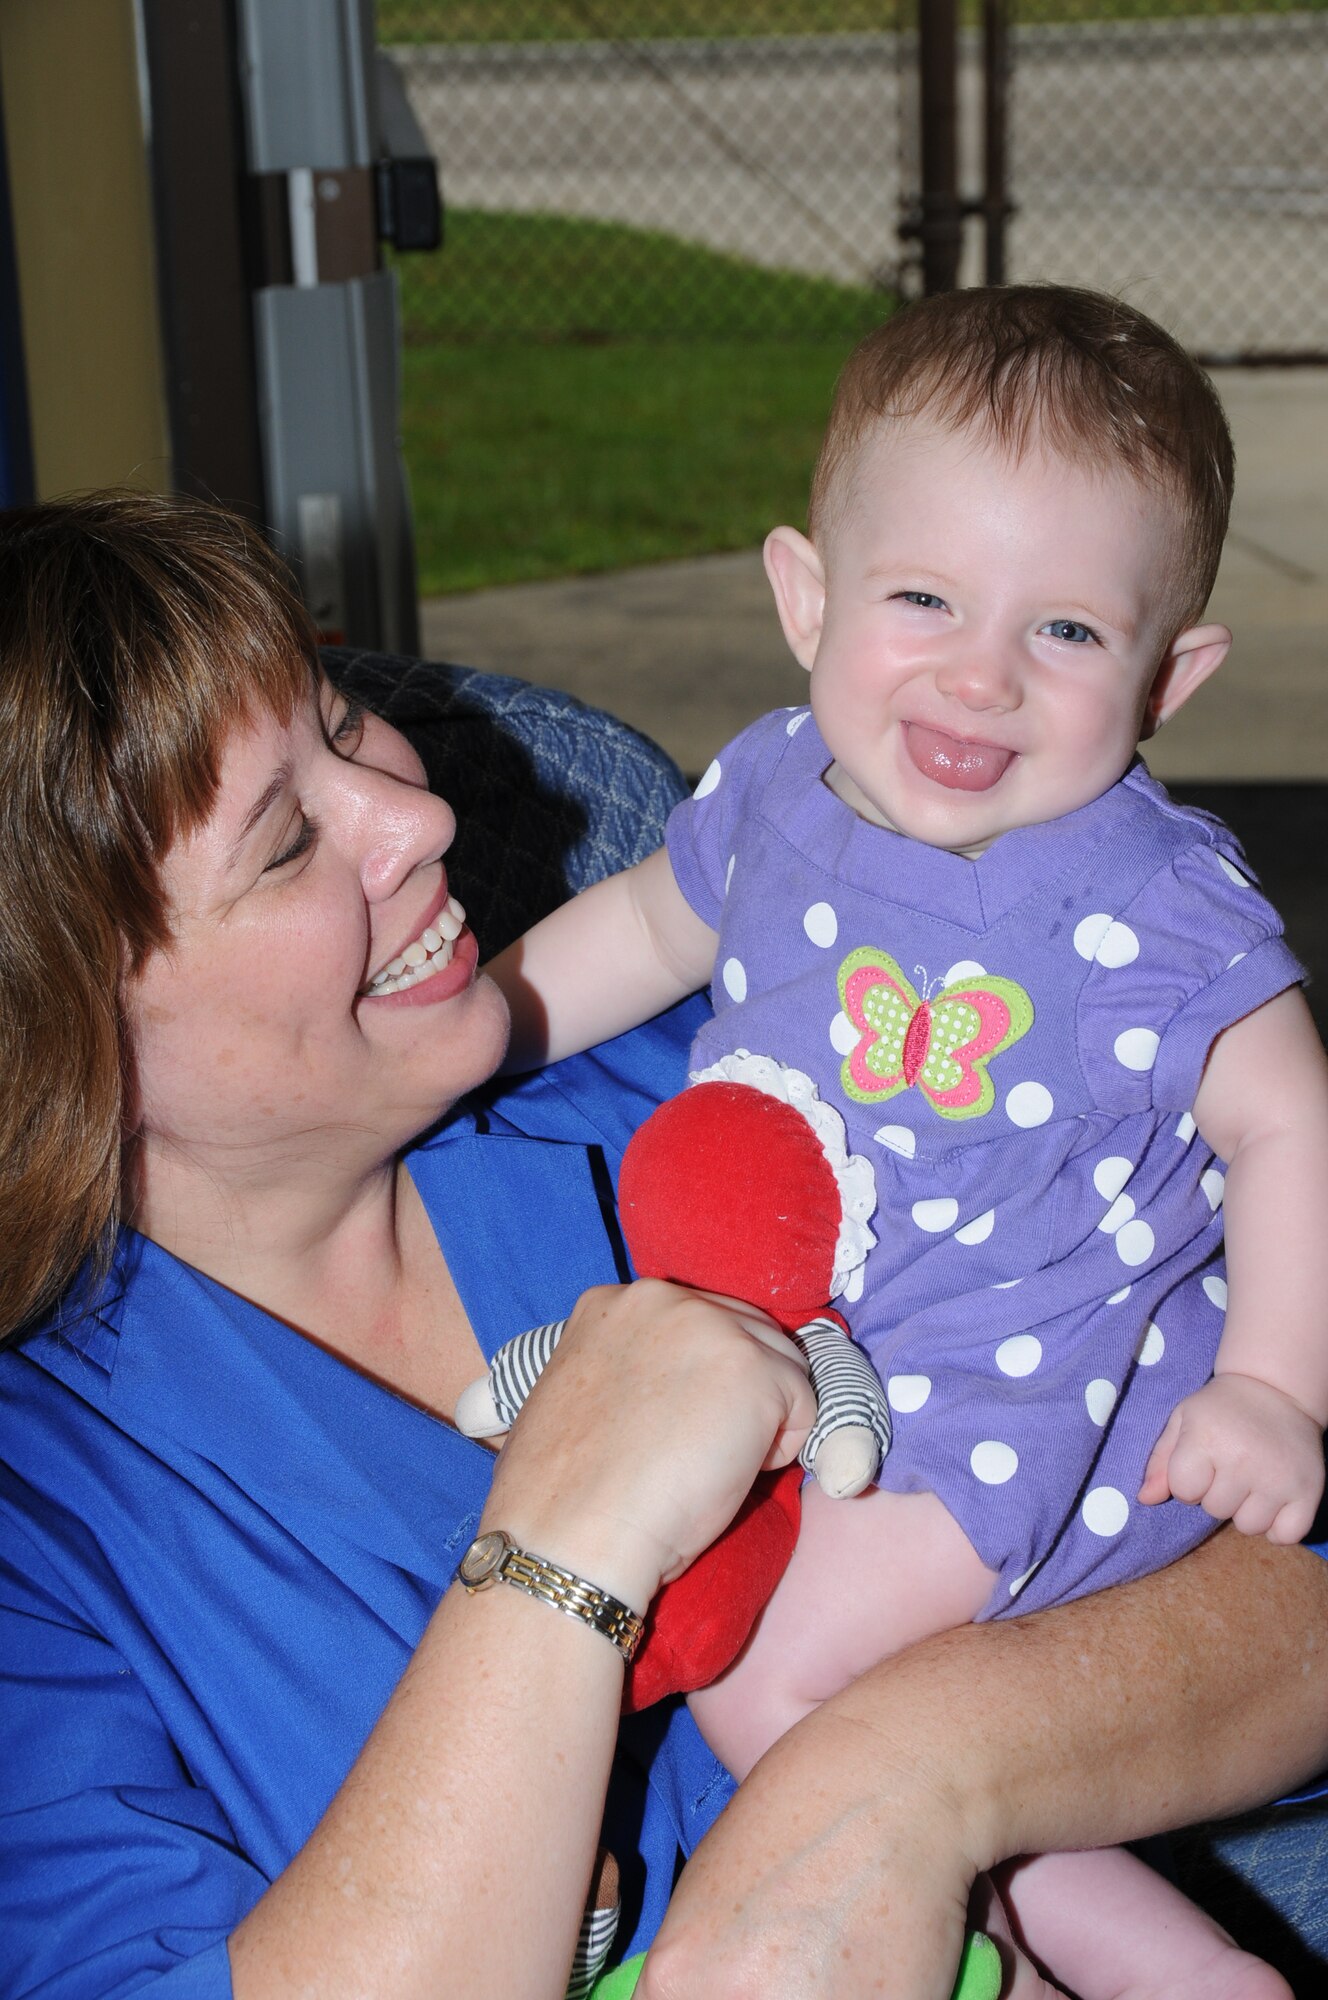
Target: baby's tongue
(964,767)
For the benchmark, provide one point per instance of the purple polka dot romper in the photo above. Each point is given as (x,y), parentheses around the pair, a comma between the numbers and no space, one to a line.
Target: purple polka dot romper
(1015,1043)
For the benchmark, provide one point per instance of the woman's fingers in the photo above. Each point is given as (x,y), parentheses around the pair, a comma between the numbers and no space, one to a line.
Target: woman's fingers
(642,1436)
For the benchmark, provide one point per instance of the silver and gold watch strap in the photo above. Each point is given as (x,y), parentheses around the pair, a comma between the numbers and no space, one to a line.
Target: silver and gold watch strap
(494,1558)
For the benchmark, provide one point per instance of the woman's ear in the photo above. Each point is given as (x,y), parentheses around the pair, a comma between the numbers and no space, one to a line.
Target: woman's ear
(797,577)
(1186,665)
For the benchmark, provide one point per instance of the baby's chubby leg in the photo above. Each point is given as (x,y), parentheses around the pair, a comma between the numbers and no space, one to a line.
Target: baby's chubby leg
(868,1577)
(1107,1927)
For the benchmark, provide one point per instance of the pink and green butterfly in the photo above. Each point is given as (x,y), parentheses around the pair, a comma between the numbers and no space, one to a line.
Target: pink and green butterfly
(943,1044)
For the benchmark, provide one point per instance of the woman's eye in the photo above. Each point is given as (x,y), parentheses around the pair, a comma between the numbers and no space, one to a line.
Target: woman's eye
(301,844)
(348,728)
(1071,631)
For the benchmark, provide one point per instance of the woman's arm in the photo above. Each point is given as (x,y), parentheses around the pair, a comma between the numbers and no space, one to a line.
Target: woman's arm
(843,1867)
(455,1858)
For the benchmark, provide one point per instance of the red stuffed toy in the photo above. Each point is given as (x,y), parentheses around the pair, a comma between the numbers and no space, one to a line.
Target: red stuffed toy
(742,1186)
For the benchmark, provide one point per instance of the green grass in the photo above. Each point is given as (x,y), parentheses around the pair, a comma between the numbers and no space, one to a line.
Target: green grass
(605,427)
(628,20)
(532,461)
(553,277)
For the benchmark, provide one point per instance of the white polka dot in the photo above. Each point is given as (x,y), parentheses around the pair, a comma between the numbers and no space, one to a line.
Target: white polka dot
(1119,946)
(1105,1510)
(1019,1355)
(1090,931)
(1134,1243)
(1136,1048)
(1232,873)
(728,873)
(993,1463)
(1152,1347)
(1029,1104)
(821,925)
(1100,1397)
(907,1393)
(1020,1581)
(1120,1212)
(796,720)
(964,968)
(852,1291)
(934,1216)
(843,1035)
(1111,1174)
(1187,1128)
(898,1139)
(1235,961)
(1216,1290)
(978,1230)
(1213,1184)
(735,979)
(710,778)
(1118,1298)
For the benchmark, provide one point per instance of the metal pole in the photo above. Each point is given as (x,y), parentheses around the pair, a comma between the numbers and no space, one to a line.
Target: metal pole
(995,87)
(941,227)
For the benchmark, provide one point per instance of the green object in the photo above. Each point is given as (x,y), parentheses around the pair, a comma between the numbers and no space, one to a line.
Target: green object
(979,1974)
(979,1970)
(619,1984)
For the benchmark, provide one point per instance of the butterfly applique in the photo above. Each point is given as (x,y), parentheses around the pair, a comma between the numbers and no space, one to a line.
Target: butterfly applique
(942,1044)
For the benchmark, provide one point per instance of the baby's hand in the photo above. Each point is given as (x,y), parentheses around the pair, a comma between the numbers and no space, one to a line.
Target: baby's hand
(1244,1452)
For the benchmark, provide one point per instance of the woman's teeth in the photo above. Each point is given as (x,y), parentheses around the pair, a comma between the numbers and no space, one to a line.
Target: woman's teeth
(429,953)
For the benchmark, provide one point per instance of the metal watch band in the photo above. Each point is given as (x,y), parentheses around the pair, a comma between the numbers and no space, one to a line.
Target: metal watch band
(568,1593)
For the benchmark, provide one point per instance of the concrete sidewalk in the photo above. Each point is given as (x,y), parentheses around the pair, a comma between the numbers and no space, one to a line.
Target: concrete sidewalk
(690,651)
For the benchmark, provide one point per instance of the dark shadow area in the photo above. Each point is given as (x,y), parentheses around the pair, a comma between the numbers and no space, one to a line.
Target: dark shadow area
(1284,831)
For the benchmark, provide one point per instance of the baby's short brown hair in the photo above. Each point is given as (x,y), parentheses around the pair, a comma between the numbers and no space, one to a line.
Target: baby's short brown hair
(1087,376)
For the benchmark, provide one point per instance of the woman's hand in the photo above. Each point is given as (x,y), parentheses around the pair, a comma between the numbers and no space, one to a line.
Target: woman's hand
(644,1433)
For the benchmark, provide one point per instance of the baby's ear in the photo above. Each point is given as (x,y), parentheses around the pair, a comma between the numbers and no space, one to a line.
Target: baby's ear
(1187,663)
(797,577)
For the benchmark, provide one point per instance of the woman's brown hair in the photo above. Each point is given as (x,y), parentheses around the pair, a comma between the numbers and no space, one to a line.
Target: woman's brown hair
(135,633)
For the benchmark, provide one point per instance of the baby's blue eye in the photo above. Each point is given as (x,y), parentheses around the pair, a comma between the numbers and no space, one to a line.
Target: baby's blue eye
(1071,631)
(926,600)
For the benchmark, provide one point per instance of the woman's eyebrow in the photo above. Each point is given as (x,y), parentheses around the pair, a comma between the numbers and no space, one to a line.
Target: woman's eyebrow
(266,799)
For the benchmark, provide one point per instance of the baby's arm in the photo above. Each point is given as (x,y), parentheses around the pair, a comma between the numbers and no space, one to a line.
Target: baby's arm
(1248,1446)
(603,963)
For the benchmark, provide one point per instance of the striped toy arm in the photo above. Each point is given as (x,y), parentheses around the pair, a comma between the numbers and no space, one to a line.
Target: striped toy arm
(851,1434)
(490,1406)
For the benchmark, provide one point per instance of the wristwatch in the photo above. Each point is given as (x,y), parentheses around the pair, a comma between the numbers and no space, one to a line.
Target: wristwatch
(494,1558)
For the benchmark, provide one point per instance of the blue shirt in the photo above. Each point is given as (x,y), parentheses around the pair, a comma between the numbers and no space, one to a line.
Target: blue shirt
(220,1545)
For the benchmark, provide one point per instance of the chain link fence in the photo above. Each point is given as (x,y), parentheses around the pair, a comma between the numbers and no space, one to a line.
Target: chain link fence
(698,169)
(695,169)
(669,220)
(1179,156)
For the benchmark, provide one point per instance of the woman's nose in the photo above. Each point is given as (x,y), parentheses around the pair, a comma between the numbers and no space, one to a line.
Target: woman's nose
(399,826)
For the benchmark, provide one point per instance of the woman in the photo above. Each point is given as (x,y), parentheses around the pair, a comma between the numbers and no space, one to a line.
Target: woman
(252,1735)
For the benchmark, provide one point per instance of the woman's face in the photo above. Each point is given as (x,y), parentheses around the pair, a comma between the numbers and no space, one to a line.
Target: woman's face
(257,1039)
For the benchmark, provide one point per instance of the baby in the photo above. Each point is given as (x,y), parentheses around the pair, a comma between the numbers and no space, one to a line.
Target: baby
(1047,1002)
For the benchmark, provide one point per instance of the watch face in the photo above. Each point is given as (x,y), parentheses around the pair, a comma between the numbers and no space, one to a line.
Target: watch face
(482,1558)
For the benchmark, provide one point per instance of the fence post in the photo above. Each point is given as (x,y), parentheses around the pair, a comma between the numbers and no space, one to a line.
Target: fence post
(941,227)
(995,98)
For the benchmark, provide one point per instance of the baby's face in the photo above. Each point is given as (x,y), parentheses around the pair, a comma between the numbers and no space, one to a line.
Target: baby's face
(990,637)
